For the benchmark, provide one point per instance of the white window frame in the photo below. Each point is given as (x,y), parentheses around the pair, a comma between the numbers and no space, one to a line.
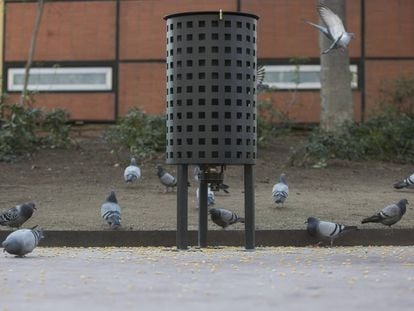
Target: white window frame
(304,85)
(106,86)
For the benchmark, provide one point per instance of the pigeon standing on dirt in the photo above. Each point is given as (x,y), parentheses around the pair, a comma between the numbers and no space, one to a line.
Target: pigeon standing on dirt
(325,230)
(22,241)
(405,183)
(224,218)
(280,190)
(211,200)
(132,172)
(166,178)
(334,30)
(390,214)
(17,215)
(111,212)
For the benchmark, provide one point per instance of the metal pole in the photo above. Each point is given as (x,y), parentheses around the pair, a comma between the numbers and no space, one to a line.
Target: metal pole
(202,213)
(249,207)
(182,207)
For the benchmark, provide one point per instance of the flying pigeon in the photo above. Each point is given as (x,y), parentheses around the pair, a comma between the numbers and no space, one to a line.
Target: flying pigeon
(280,190)
(334,30)
(168,180)
(132,172)
(111,212)
(325,230)
(210,197)
(407,182)
(223,217)
(17,215)
(22,241)
(390,214)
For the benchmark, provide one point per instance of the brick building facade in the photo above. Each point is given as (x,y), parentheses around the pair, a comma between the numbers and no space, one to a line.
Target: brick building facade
(126,39)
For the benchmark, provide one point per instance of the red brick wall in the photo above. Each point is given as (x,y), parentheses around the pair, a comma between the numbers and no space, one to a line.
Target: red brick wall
(68,31)
(85,31)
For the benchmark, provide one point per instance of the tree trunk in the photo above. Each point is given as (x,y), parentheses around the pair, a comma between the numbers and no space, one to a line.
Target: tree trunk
(336,93)
(32,50)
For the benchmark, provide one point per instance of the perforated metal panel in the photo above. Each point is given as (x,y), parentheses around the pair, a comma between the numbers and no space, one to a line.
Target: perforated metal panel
(211,88)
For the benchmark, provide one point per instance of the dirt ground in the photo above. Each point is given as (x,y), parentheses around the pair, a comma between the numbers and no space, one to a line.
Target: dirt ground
(68,187)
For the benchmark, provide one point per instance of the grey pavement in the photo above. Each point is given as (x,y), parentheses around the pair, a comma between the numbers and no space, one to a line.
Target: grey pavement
(279,278)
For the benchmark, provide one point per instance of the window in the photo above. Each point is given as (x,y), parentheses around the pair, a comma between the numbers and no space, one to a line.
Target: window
(299,77)
(62,79)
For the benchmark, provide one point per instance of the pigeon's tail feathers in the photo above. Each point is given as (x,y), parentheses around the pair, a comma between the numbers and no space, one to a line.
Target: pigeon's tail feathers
(374,218)
(130,178)
(114,220)
(280,196)
(407,182)
(324,30)
(240,219)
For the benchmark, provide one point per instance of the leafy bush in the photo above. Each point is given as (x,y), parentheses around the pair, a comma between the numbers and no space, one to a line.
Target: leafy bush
(26,129)
(388,136)
(270,123)
(399,94)
(141,134)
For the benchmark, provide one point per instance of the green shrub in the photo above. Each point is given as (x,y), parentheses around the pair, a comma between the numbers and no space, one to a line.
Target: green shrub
(26,129)
(388,136)
(141,134)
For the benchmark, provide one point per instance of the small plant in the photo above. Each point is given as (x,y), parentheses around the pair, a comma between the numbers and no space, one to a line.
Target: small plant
(57,130)
(26,129)
(141,134)
(388,136)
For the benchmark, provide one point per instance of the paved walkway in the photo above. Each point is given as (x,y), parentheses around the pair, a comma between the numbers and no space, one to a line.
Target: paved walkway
(355,278)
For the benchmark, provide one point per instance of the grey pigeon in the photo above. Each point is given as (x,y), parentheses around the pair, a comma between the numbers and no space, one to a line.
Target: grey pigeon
(168,180)
(23,241)
(224,218)
(211,200)
(18,215)
(390,214)
(405,183)
(132,172)
(325,230)
(280,190)
(334,30)
(111,212)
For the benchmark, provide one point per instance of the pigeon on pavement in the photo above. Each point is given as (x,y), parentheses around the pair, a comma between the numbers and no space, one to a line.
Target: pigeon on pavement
(325,230)
(334,30)
(17,215)
(22,241)
(224,218)
(111,212)
(280,190)
(405,183)
(132,172)
(390,214)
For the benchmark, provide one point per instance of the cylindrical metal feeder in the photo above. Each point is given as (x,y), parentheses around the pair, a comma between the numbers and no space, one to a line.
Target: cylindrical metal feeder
(211,103)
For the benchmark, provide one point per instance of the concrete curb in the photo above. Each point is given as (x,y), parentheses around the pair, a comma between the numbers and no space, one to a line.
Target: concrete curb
(365,237)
